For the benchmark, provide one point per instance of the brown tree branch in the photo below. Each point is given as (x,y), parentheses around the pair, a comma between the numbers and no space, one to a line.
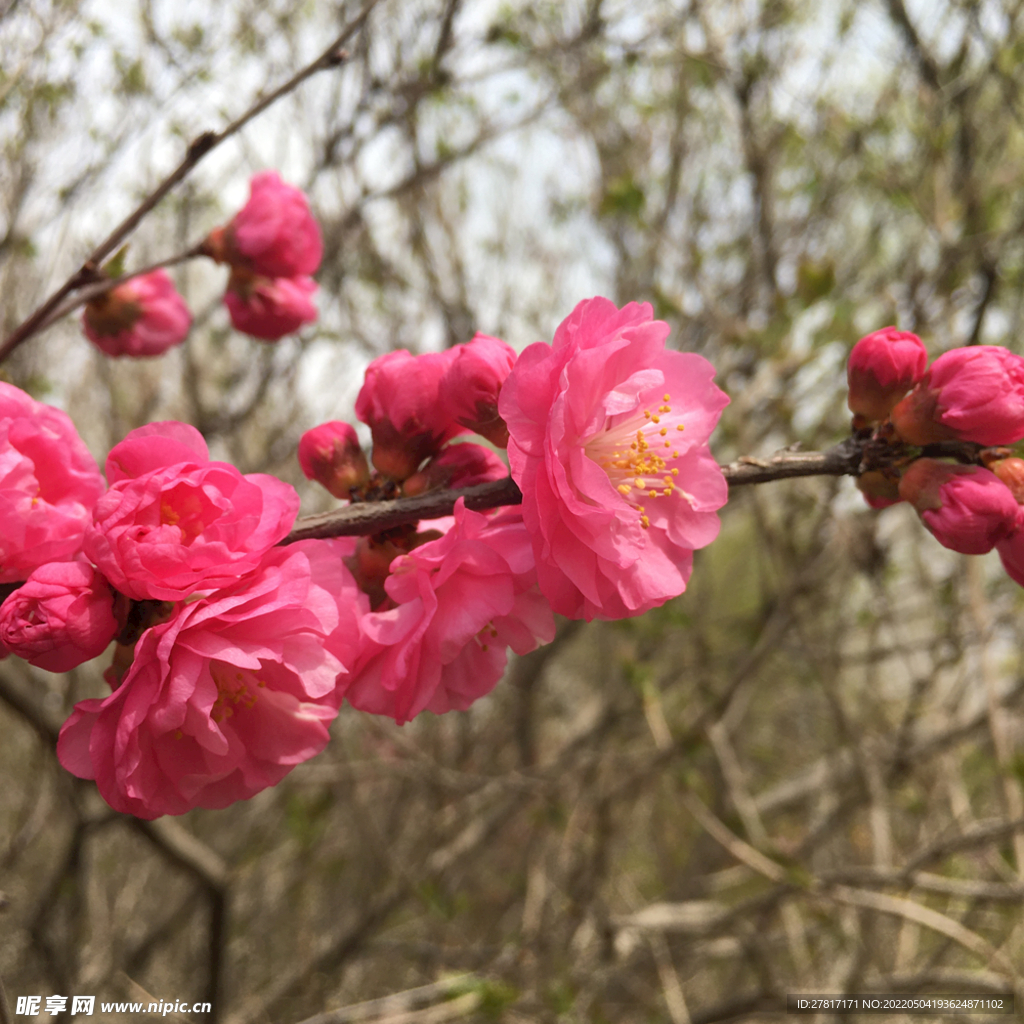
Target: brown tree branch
(89,272)
(851,457)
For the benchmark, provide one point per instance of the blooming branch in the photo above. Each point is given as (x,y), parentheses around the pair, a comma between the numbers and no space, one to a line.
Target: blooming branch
(851,457)
(89,273)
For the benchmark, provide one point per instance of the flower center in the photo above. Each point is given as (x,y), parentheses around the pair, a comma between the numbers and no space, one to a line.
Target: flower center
(189,510)
(636,454)
(234,686)
(485,635)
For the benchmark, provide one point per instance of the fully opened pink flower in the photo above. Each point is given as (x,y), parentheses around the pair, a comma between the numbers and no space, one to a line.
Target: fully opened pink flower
(400,403)
(608,443)
(142,317)
(269,307)
(967,508)
(967,394)
(331,455)
(274,234)
(49,484)
(470,388)
(228,696)
(459,603)
(882,368)
(174,523)
(61,617)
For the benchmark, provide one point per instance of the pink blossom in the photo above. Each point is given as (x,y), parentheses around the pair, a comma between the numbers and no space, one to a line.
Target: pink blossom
(458,603)
(228,696)
(967,394)
(470,388)
(273,235)
(62,616)
(608,443)
(174,523)
(400,404)
(331,455)
(145,316)
(269,307)
(882,368)
(458,465)
(49,484)
(967,508)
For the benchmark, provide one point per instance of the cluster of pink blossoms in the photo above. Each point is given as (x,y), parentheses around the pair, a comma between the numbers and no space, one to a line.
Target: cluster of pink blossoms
(272,245)
(972,395)
(234,652)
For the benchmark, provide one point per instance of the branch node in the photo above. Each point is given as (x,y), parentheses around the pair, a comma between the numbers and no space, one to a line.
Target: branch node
(201,145)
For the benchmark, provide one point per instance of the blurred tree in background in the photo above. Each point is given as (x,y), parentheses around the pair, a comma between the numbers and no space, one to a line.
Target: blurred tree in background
(803,774)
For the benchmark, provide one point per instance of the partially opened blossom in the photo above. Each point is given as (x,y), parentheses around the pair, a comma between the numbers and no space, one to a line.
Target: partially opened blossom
(62,616)
(226,697)
(967,394)
(174,523)
(331,455)
(967,508)
(458,465)
(269,307)
(458,603)
(49,484)
(399,401)
(145,316)
(470,388)
(273,235)
(883,366)
(608,443)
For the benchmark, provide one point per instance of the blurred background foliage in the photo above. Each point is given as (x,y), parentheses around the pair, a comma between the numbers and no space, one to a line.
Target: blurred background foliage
(803,774)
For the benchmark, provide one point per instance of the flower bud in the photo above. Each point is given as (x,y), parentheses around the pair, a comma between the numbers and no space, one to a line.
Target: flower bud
(145,316)
(882,368)
(331,455)
(459,465)
(879,490)
(273,235)
(269,307)
(1011,472)
(967,394)
(470,388)
(370,565)
(60,618)
(967,508)
(399,403)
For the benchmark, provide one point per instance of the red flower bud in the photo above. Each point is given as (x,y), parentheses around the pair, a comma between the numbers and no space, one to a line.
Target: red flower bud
(882,368)
(967,394)
(399,402)
(879,490)
(967,508)
(331,455)
(470,388)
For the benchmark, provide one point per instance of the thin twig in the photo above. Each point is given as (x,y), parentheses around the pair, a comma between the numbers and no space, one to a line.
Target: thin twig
(373,517)
(200,146)
(911,911)
(93,291)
